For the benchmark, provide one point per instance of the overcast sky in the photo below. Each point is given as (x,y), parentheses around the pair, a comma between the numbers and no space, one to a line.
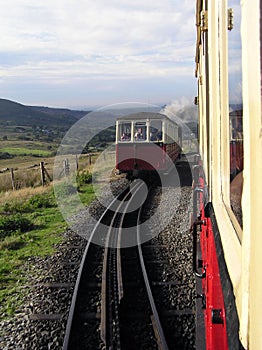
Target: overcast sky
(95,52)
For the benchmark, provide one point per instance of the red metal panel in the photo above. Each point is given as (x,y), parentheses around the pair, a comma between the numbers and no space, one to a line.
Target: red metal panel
(214,313)
(143,156)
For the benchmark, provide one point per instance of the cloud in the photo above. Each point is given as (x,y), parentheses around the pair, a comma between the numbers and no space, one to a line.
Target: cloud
(91,28)
(62,41)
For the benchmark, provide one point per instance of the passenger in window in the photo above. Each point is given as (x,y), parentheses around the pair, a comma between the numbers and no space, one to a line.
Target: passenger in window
(138,134)
(125,137)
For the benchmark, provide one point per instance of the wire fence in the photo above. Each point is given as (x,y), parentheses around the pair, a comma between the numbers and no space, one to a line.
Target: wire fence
(41,174)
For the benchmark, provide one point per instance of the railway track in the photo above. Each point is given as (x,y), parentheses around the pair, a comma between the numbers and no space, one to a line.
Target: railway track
(136,297)
(106,327)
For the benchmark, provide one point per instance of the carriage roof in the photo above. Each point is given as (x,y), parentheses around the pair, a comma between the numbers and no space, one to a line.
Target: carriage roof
(145,115)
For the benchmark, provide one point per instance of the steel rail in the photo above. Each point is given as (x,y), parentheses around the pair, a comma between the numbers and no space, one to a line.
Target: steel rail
(119,283)
(119,265)
(106,272)
(159,333)
(81,267)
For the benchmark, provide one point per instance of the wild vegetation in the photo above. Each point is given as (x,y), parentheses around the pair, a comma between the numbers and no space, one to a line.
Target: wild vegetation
(30,221)
(30,225)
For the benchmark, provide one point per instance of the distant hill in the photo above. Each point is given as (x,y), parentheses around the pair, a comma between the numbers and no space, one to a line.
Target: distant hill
(62,112)
(18,114)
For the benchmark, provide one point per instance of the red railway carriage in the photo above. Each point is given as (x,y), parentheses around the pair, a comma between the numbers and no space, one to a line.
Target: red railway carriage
(146,141)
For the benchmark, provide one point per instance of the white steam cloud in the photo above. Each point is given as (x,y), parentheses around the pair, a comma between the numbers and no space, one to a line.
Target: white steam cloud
(184,109)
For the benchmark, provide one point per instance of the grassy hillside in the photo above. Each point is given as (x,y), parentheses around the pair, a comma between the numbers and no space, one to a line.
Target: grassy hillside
(32,124)
(13,113)
(60,112)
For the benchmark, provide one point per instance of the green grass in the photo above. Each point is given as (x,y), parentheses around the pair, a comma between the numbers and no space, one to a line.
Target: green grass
(22,151)
(86,194)
(18,245)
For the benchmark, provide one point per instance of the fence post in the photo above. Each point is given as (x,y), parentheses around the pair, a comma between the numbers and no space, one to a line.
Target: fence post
(90,158)
(12,178)
(42,170)
(76,163)
(46,173)
(66,167)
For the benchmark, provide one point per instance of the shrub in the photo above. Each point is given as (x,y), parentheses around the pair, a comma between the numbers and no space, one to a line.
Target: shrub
(85,177)
(12,207)
(14,223)
(42,201)
(5,155)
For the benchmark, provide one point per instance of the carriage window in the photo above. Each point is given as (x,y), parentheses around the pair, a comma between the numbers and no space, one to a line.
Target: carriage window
(235,111)
(156,130)
(170,134)
(140,131)
(124,132)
